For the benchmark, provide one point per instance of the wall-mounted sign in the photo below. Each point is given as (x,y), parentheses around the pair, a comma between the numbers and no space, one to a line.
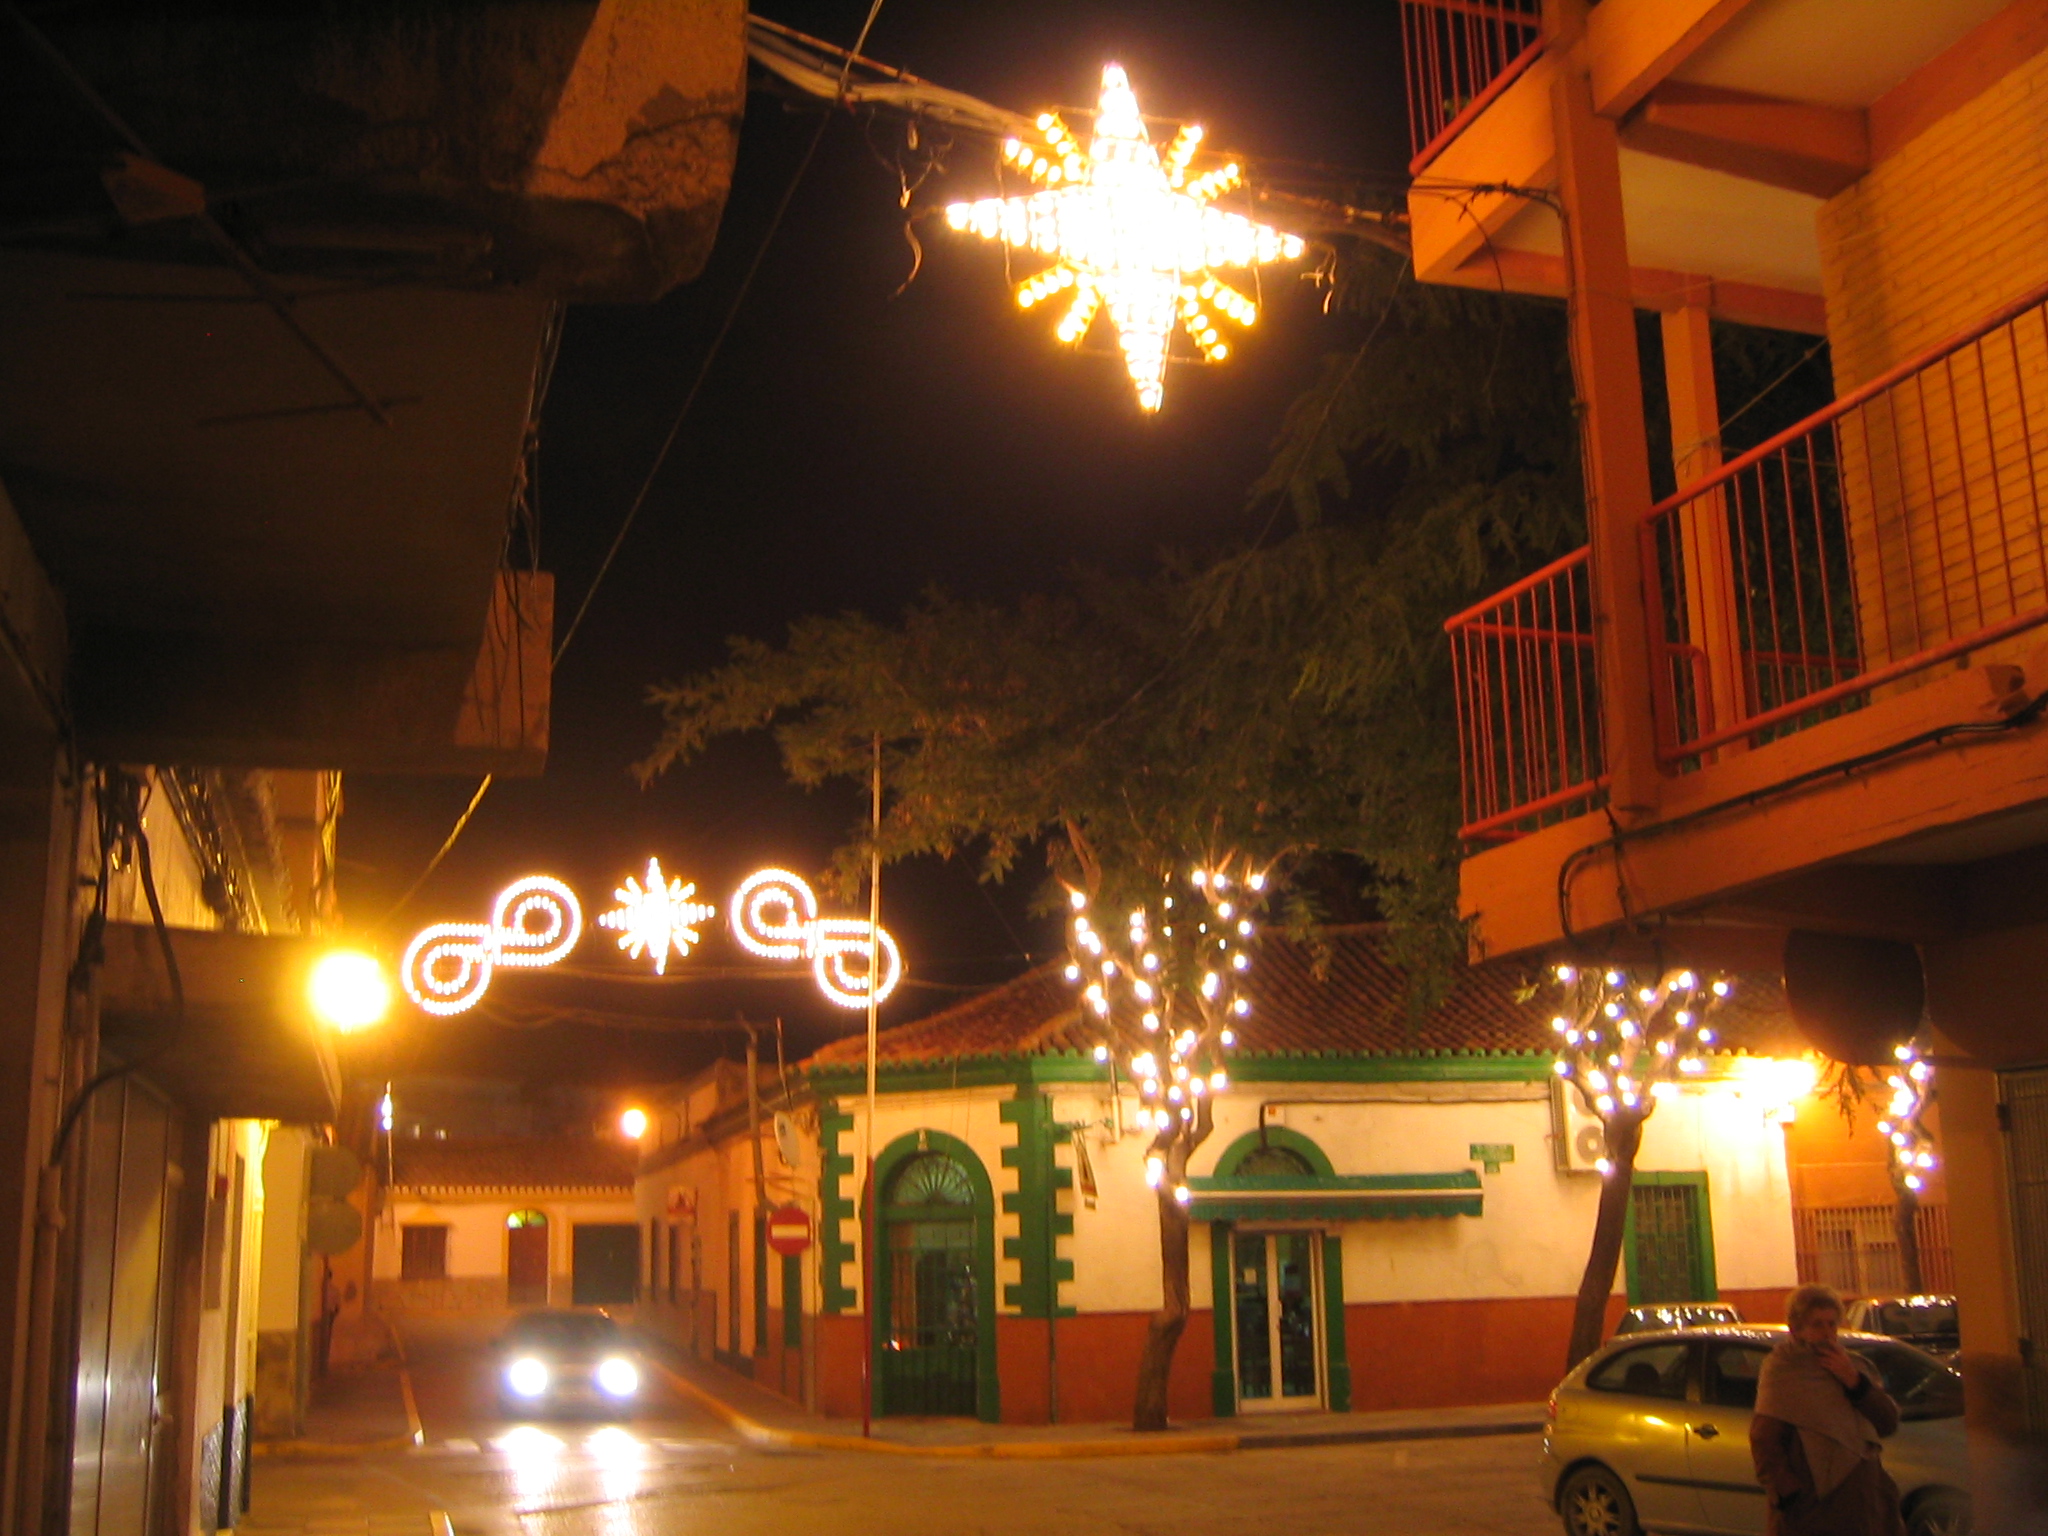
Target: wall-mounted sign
(656,918)
(789,1230)
(775,915)
(447,968)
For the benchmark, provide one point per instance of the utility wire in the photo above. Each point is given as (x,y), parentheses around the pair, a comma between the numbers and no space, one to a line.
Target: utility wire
(661,454)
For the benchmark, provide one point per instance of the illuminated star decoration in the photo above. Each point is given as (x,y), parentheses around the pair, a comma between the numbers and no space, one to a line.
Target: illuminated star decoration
(658,918)
(1130,232)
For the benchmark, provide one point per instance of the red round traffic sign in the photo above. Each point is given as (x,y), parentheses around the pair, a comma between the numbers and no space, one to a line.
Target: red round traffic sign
(789,1229)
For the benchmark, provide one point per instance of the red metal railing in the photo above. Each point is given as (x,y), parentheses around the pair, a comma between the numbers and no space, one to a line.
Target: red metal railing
(1460,55)
(1528,703)
(1900,528)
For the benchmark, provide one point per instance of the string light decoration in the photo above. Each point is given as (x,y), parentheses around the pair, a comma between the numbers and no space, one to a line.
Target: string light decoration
(774,914)
(1912,1146)
(1167,991)
(661,916)
(1623,1043)
(448,966)
(1129,233)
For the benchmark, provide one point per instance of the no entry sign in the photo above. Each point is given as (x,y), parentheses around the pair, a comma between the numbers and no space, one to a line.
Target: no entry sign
(789,1230)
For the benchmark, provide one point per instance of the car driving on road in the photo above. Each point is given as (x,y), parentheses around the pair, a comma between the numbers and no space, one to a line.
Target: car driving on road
(559,1359)
(1651,1433)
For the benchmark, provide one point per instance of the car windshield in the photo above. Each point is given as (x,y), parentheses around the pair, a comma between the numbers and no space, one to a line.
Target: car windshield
(1918,1318)
(1649,1370)
(1649,1319)
(1921,1385)
(564,1330)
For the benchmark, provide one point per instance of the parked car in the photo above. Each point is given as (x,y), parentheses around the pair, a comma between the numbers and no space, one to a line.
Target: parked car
(1651,1433)
(557,1359)
(1677,1314)
(1926,1321)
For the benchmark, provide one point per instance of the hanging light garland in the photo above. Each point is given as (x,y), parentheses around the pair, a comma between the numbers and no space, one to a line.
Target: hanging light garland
(1912,1146)
(1168,994)
(1130,233)
(1623,1043)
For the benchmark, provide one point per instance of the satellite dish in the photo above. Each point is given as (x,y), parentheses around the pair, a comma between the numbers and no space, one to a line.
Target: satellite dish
(332,1226)
(785,1138)
(333,1172)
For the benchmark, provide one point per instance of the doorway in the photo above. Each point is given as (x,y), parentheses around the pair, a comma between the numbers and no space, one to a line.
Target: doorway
(604,1259)
(930,1301)
(526,1259)
(1277,1284)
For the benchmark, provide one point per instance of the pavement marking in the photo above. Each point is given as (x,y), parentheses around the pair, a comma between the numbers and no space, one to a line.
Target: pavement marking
(460,1445)
(442,1525)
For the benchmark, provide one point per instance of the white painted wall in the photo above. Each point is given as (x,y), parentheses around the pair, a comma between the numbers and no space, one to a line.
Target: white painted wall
(476,1228)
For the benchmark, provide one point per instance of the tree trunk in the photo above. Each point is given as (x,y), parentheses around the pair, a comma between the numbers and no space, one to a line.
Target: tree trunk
(1162,1338)
(1906,1229)
(1589,1318)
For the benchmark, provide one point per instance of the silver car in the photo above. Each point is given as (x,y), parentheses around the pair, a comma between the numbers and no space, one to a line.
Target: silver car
(1652,1434)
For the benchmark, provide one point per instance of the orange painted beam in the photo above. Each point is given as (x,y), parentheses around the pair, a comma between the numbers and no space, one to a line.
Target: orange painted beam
(1634,45)
(1792,144)
(1512,892)
(1505,269)
(1979,60)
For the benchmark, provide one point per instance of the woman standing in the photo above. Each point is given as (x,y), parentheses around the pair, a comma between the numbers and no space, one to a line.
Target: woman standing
(1820,1417)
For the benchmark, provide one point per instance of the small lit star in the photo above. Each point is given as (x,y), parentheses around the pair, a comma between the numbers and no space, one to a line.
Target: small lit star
(659,917)
(1130,231)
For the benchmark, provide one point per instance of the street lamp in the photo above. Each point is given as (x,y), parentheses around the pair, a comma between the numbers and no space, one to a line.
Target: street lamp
(634,1123)
(348,991)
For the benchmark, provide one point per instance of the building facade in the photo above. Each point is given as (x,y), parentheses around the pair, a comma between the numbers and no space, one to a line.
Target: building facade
(1790,716)
(1385,1215)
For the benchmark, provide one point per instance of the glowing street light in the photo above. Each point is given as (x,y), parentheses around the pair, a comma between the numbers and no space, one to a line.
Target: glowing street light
(634,1123)
(1130,232)
(348,990)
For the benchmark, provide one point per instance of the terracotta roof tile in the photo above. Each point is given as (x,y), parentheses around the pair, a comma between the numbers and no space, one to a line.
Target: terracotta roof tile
(1358,1007)
(509,1162)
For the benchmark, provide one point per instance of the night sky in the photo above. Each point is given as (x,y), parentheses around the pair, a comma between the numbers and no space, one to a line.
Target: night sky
(853,447)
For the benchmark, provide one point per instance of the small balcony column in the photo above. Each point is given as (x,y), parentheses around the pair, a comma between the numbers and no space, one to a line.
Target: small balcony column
(1708,565)
(1611,422)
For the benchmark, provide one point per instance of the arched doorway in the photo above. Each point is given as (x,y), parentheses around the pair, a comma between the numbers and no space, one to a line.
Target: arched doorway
(526,1259)
(934,1280)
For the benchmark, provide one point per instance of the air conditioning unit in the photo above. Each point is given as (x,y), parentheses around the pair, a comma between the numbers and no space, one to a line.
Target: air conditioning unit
(1577,1136)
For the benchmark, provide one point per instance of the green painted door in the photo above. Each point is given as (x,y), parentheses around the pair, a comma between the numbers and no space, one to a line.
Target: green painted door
(1668,1241)
(1278,1347)
(930,1359)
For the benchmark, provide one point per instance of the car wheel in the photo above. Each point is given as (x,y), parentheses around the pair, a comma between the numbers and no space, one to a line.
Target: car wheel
(1940,1514)
(1594,1503)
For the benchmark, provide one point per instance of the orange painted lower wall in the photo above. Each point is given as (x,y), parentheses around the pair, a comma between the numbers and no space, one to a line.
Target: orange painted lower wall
(1418,1354)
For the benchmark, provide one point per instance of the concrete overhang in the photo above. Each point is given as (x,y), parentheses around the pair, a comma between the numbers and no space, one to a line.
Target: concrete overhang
(244,1045)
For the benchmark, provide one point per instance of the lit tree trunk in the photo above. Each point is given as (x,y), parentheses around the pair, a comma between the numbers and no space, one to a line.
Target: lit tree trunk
(1589,1319)
(1162,1337)
(1906,1230)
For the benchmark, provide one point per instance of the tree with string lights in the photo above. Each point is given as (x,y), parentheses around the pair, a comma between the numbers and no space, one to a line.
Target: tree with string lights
(1624,1042)
(1164,984)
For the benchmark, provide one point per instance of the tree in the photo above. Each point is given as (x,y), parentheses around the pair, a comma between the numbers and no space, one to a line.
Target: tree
(1622,1043)
(1911,1151)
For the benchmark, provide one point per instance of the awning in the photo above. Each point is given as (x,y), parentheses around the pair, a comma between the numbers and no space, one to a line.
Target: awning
(1360,1197)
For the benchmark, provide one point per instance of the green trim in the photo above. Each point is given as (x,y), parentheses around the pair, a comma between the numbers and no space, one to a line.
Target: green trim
(792,1301)
(760,1282)
(1334,1197)
(988,1392)
(1223,1301)
(1706,1278)
(1040,1225)
(1336,1359)
(835,1252)
(1269,1136)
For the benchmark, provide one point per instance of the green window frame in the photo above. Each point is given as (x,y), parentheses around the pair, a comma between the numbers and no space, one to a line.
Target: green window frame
(1705,1282)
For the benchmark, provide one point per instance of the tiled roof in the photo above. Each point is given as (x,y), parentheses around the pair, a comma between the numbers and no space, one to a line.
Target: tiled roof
(514,1162)
(1357,1006)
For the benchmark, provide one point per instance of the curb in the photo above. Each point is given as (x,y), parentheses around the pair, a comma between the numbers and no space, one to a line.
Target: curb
(266,1450)
(979,1450)
(1284,1440)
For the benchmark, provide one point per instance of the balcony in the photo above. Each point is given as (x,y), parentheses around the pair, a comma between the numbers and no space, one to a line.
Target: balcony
(1460,55)
(1896,532)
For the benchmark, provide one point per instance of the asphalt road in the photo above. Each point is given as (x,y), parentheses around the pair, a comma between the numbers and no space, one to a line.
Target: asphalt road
(672,1468)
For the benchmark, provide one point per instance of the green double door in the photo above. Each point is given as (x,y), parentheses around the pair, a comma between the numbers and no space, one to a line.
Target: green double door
(929,1359)
(1278,1341)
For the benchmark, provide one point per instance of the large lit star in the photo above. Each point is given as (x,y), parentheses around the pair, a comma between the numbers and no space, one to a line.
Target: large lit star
(658,918)
(1131,233)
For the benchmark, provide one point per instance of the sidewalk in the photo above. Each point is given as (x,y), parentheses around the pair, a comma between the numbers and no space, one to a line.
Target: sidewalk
(769,1420)
(359,1409)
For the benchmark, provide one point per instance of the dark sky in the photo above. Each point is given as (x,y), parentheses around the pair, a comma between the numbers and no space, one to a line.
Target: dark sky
(852,447)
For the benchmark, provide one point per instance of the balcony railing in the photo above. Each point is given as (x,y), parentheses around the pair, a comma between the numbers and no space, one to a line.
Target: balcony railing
(1528,703)
(1901,528)
(1898,529)
(1460,55)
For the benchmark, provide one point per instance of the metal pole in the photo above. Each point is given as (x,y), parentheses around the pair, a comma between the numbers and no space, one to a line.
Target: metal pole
(867,1242)
(760,1228)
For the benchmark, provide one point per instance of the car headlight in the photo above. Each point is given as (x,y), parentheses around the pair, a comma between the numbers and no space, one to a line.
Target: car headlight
(527,1376)
(618,1377)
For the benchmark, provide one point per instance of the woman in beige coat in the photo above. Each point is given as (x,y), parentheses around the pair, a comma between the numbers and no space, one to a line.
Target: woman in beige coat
(1821,1415)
